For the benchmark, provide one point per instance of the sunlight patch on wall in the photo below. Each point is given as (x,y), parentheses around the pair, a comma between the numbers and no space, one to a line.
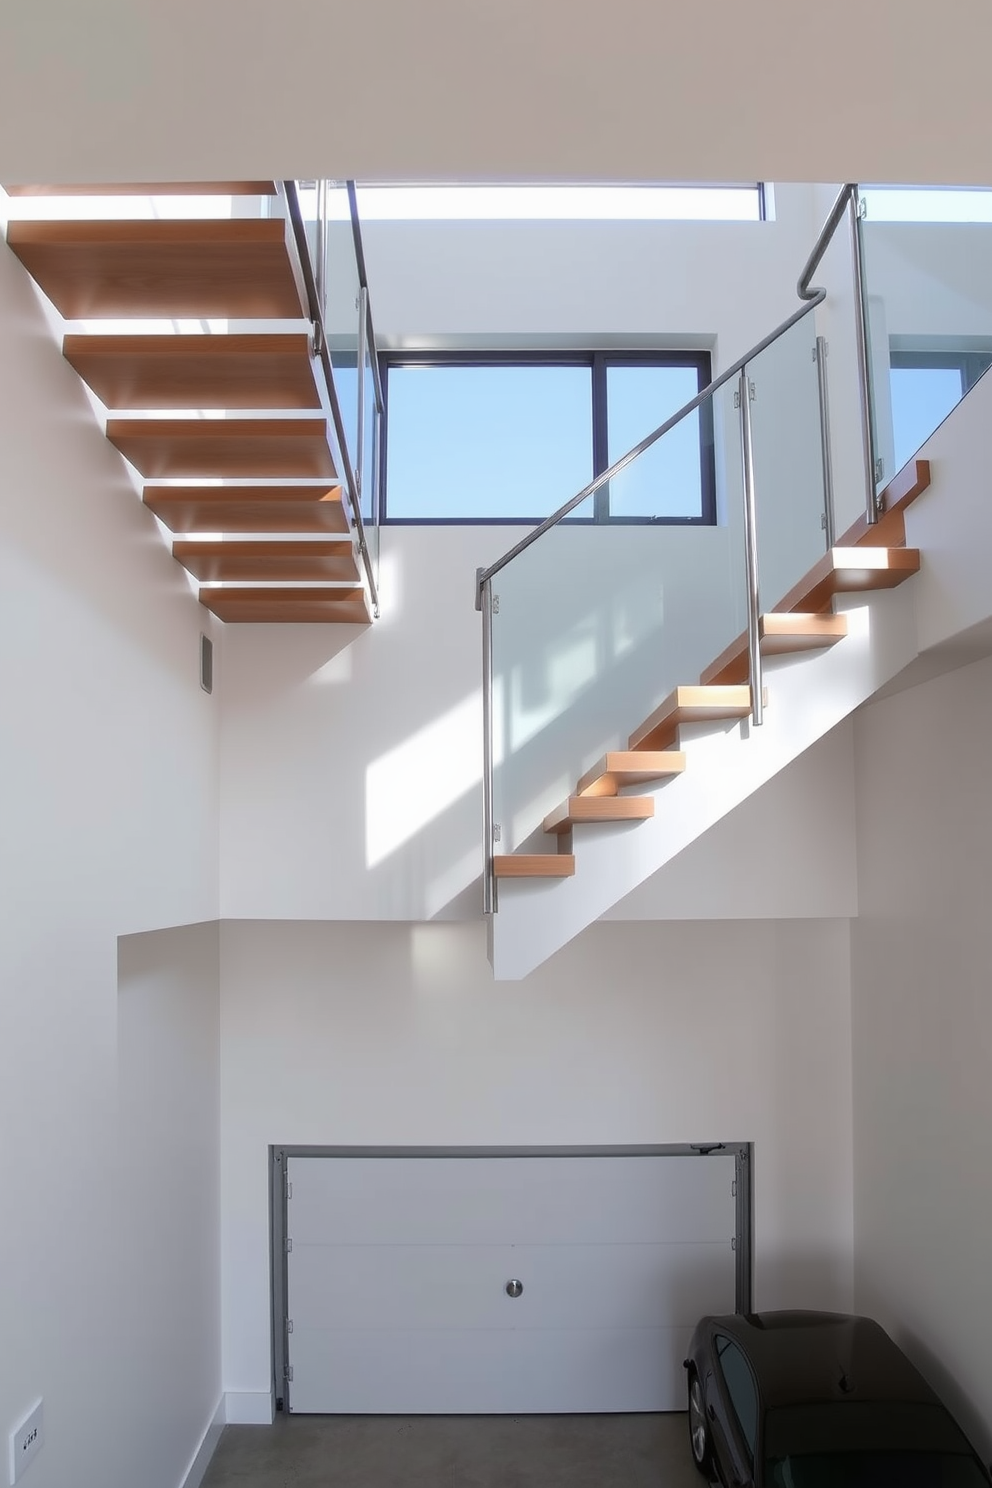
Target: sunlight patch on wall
(410,786)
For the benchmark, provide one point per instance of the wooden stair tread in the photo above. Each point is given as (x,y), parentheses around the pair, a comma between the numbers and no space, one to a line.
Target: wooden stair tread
(579,809)
(218,447)
(288,606)
(148,188)
(848,570)
(779,634)
(200,371)
(237,267)
(622,767)
(329,561)
(890,530)
(534,865)
(690,705)
(195,509)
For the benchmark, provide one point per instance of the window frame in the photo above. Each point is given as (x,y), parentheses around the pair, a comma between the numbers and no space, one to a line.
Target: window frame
(598,363)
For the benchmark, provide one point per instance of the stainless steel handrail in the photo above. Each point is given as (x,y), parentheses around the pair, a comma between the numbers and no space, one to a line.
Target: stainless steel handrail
(320,337)
(646,443)
(847,201)
(824,238)
(811,297)
(363,279)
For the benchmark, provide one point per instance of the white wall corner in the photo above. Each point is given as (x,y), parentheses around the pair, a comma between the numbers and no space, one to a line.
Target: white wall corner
(250,1407)
(195,1473)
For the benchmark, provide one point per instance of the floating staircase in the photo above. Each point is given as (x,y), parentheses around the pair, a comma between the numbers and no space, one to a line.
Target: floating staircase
(870,558)
(248,486)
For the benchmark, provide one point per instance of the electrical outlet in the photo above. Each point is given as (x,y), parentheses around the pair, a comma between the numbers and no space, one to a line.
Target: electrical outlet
(25,1441)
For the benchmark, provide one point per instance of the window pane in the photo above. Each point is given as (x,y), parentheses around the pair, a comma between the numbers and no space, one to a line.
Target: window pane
(486,442)
(740,1388)
(922,397)
(665,481)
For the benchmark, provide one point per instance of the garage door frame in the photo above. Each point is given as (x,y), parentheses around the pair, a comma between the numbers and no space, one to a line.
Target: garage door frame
(742,1240)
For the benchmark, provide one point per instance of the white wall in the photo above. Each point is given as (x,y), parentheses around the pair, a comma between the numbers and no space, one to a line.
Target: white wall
(396,1035)
(922,1029)
(553,283)
(108,754)
(352,761)
(166,1198)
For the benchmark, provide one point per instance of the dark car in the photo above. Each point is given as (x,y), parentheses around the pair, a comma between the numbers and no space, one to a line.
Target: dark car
(818,1400)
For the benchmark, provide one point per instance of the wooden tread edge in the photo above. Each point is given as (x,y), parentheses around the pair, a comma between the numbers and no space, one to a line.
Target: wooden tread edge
(902,490)
(780,634)
(690,704)
(534,865)
(577,810)
(622,767)
(836,573)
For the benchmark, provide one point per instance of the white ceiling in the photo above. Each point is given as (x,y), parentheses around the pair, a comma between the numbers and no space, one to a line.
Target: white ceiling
(568,89)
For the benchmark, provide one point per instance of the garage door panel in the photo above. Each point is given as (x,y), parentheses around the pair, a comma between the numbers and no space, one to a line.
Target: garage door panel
(407,1286)
(370,1201)
(397,1273)
(399,1286)
(518,1372)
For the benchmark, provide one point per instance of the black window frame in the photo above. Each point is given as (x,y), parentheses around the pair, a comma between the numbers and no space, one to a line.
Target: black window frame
(598,362)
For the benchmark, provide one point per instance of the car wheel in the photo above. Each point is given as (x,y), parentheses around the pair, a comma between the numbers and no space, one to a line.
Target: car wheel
(699,1436)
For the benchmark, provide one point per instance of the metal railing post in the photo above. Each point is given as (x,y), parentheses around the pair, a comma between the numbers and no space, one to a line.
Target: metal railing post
(320,249)
(750,550)
(863,340)
(826,458)
(363,322)
(484,602)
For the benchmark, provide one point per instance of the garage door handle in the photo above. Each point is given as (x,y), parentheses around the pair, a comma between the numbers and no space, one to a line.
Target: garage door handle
(514,1287)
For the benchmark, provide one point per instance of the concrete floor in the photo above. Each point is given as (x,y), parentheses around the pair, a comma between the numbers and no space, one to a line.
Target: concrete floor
(641,1451)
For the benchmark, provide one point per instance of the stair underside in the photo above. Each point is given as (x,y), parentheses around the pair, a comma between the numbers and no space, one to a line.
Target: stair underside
(192,509)
(288,606)
(534,865)
(779,635)
(629,767)
(161,448)
(313,561)
(230,267)
(238,371)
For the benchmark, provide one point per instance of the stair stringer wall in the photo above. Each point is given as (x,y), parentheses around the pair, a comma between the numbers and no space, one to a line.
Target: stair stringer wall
(807,696)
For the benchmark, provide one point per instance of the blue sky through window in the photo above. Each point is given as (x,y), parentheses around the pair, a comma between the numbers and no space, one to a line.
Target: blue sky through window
(665,481)
(487,442)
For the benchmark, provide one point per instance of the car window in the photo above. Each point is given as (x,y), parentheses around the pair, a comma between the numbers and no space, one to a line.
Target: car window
(740,1387)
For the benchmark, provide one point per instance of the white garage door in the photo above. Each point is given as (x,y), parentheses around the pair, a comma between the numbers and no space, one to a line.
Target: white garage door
(398,1271)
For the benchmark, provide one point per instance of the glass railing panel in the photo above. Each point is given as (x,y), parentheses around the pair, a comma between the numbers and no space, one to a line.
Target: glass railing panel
(788,461)
(597,621)
(371,433)
(342,313)
(927,255)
